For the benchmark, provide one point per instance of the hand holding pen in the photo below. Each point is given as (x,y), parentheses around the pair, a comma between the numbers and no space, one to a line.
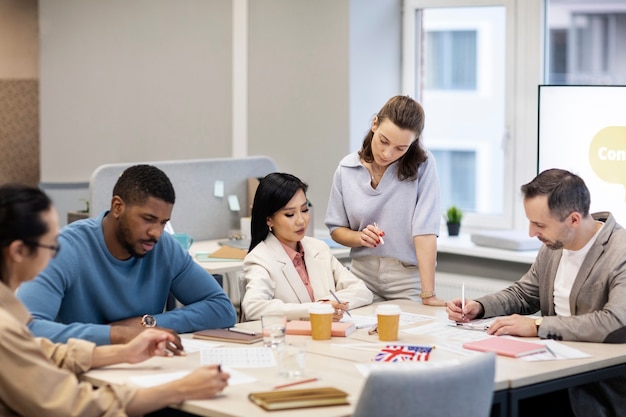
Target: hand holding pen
(339,301)
(372,236)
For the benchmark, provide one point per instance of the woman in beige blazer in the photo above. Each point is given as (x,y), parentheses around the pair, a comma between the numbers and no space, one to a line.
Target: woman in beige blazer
(286,271)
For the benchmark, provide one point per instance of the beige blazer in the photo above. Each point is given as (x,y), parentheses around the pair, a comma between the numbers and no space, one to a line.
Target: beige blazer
(273,284)
(38,377)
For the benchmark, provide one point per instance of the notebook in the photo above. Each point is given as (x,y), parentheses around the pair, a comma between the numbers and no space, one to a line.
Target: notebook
(300,398)
(303,327)
(225,335)
(505,346)
(229,252)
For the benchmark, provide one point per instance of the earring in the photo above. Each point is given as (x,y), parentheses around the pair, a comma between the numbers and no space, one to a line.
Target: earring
(270,226)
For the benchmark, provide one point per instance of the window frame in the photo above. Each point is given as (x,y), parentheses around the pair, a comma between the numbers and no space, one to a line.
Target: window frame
(524,72)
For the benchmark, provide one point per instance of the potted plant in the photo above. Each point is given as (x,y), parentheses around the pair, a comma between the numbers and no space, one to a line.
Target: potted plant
(453,220)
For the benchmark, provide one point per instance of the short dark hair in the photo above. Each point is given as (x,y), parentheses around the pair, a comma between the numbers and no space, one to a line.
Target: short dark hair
(20,215)
(566,192)
(139,182)
(273,193)
(408,114)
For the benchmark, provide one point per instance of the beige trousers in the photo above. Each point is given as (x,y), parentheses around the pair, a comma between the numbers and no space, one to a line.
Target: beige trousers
(388,278)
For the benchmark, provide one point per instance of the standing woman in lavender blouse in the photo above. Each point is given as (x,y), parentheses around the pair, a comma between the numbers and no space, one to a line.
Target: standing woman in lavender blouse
(384,204)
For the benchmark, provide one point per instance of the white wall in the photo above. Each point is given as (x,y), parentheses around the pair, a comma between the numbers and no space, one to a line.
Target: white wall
(138,80)
(141,80)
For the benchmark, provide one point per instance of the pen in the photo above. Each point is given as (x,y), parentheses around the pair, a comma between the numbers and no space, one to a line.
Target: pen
(382,241)
(242,331)
(463,300)
(303,381)
(550,351)
(337,298)
(469,326)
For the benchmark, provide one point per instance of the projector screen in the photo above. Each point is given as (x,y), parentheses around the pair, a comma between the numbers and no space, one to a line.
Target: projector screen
(583,129)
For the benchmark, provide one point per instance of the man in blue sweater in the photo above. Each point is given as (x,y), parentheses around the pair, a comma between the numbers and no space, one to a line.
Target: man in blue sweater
(113,274)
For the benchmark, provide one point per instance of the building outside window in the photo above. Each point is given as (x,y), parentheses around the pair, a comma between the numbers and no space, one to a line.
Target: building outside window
(475,69)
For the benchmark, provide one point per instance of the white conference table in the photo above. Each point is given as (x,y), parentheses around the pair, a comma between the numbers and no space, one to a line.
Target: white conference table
(334,365)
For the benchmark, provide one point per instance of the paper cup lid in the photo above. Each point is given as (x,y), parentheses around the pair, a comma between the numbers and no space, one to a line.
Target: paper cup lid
(321,308)
(388,309)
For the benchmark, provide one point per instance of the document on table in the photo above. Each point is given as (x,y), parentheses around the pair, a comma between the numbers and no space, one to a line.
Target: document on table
(445,331)
(365,322)
(557,351)
(260,357)
(196,345)
(152,380)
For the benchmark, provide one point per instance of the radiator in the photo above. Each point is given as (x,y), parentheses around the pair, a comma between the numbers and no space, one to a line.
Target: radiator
(448,286)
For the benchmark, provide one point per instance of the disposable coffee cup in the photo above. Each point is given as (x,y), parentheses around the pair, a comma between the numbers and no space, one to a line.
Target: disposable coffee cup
(388,322)
(321,316)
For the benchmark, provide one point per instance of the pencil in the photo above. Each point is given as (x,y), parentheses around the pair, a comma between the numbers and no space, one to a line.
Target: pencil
(302,381)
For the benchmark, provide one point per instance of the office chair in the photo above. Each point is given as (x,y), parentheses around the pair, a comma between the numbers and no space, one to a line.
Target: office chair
(465,389)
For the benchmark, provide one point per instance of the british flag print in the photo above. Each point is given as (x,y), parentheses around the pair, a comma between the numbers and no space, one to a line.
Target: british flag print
(403,353)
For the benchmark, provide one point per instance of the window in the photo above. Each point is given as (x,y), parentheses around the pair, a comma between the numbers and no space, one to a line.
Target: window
(585,42)
(450,60)
(457,64)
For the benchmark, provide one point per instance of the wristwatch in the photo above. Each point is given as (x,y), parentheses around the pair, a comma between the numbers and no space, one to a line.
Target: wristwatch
(427,294)
(148,321)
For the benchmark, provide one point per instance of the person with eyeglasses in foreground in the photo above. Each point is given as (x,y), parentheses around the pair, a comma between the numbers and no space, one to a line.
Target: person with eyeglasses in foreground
(39,377)
(114,275)
(577,282)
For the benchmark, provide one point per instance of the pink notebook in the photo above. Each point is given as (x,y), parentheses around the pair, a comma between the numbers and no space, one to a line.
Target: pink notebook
(505,346)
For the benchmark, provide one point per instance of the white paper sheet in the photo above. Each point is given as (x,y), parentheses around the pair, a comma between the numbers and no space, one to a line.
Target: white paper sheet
(260,357)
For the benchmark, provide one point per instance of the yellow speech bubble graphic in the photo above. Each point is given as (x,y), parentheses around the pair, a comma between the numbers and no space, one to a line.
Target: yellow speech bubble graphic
(607,154)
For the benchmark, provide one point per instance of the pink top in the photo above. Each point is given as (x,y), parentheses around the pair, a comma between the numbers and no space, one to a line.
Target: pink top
(297,257)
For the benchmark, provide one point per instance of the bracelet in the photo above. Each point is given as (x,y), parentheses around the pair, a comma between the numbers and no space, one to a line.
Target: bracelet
(427,294)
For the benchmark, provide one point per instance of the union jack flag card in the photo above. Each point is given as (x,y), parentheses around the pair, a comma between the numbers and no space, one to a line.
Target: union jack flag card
(403,353)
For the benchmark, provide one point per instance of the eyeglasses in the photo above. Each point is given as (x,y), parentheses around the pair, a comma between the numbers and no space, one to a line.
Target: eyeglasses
(54,248)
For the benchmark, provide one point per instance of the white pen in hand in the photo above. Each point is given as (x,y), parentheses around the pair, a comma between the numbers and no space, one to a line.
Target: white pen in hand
(382,241)
(463,300)
(242,331)
(339,301)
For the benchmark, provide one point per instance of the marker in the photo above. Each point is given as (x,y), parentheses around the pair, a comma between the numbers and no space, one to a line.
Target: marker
(382,241)
(337,298)
(463,300)
(242,331)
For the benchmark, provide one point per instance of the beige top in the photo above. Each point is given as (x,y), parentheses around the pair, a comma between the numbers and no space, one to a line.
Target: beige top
(38,377)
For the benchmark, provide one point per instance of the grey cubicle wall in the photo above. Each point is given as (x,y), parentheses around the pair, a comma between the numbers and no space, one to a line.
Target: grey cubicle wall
(197,210)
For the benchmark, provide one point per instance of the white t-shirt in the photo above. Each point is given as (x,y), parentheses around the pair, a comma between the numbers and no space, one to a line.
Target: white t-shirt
(570,263)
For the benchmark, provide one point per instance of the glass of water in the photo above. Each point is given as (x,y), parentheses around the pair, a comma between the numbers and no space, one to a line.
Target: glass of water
(291,359)
(273,329)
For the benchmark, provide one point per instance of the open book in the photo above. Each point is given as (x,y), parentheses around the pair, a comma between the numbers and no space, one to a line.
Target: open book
(300,398)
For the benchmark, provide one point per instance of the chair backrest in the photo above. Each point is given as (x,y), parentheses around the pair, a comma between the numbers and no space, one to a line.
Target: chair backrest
(198,210)
(459,388)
